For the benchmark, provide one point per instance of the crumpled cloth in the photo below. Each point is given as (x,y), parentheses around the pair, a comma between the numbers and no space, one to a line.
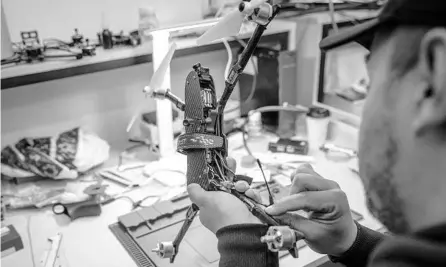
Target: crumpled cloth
(64,156)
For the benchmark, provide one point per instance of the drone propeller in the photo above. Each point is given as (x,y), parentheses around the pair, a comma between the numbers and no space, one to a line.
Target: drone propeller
(158,76)
(156,82)
(230,24)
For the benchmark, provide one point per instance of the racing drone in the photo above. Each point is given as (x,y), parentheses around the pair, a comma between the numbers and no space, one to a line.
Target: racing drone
(77,42)
(204,142)
(31,49)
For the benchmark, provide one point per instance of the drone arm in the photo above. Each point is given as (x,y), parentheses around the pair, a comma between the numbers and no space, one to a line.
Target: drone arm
(238,67)
(167,94)
(176,101)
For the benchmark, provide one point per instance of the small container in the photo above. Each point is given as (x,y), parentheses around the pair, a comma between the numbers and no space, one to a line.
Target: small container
(107,39)
(254,125)
(318,120)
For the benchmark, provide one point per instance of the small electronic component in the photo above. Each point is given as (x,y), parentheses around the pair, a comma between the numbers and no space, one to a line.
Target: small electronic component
(109,40)
(289,146)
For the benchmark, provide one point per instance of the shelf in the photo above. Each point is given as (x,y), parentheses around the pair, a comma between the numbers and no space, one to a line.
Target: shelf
(26,74)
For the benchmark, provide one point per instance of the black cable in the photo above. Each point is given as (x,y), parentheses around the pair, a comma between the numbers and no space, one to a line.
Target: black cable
(220,172)
(256,74)
(224,164)
(271,199)
(16,58)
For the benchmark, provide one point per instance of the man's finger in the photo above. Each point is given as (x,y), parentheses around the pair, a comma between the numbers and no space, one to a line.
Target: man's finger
(319,201)
(197,195)
(295,221)
(254,195)
(309,182)
(304,168)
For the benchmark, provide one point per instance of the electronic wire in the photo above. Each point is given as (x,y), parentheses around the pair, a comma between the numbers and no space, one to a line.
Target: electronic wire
(245,141)
(256,74)
(28,230)
(230,60)
(271,199)
(224,164)
(220,172)
(135,204)
(229,51)
(332,15)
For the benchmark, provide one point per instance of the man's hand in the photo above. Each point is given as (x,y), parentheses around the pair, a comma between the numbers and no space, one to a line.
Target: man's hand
(220,209)
(330,228)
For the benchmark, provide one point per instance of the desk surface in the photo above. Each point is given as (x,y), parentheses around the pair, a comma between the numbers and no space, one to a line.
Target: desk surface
(88,242)
(23,73)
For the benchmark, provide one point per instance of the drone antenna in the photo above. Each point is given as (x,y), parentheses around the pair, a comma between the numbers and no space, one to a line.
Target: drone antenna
(271,199)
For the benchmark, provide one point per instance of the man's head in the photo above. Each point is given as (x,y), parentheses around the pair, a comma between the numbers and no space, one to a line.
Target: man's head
(403,131)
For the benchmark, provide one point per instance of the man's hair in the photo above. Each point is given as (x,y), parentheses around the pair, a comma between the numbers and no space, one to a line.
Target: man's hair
(407,46)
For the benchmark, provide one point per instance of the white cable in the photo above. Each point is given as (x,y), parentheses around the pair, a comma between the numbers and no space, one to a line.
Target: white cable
(332,15)
(228,64)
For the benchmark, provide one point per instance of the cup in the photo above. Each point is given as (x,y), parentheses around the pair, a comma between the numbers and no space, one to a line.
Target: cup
(317,127)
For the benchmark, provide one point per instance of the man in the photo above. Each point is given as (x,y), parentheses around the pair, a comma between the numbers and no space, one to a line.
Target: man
(402,158)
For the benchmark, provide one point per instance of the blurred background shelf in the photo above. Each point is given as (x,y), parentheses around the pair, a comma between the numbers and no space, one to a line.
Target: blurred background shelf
(25,74)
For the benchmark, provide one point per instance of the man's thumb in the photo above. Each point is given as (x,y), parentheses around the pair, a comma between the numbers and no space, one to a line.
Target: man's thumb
(197,194)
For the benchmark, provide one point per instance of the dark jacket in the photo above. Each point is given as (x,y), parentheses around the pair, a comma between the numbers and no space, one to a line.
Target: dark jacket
(239,245)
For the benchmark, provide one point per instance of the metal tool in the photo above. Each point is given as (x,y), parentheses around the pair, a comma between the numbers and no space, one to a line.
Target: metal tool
(89,207)
(113,176)
(331,148)
(51,257)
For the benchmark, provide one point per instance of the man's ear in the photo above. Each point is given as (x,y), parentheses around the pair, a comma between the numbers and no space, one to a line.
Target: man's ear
(432,63)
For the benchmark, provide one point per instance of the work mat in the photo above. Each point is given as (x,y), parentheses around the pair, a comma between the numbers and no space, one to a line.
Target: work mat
(140,231)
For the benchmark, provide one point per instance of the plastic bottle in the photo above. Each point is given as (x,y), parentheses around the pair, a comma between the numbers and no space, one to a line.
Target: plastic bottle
(254,125)
(147,21)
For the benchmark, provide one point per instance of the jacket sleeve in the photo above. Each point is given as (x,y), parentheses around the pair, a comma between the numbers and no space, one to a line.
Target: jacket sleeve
(239,245)
(363,246)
